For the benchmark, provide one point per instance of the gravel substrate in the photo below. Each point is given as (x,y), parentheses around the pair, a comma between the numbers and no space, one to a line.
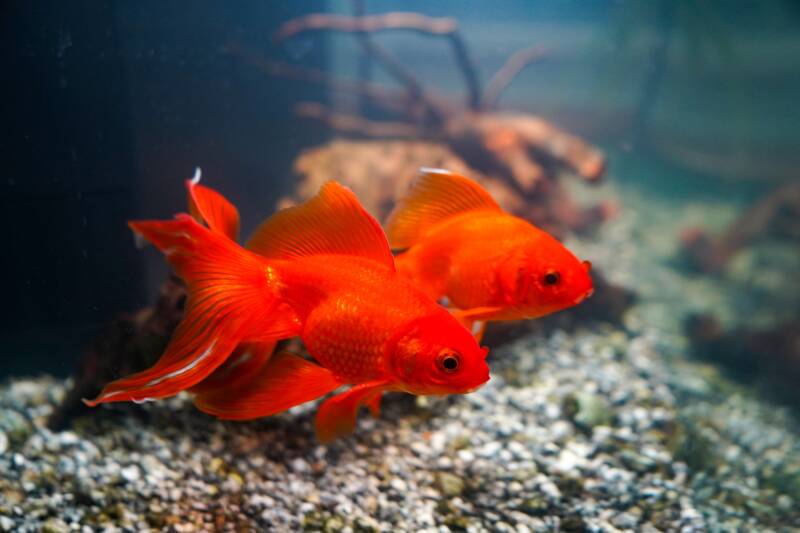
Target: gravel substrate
(605,428)
(575,432)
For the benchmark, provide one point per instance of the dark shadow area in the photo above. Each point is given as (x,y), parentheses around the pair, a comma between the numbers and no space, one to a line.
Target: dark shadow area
(107,109)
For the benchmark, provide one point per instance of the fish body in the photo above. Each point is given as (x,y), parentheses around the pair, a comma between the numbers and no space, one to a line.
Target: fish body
(322,271)
(348,324)
(489,264)
(351,312)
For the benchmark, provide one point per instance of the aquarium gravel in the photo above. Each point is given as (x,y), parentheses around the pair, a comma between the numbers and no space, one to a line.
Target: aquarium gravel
(603,428)
(576,432)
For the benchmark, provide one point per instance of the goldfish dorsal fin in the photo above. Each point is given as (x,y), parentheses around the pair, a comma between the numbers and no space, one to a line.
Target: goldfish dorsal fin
(332,222)
(435,197)
(209,206)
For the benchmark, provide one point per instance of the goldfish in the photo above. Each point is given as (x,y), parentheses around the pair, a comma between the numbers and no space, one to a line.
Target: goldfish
(322,271)
(489,265)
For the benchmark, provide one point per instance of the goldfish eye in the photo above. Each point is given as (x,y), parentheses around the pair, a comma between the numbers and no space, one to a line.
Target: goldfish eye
(551,278)
(448,361)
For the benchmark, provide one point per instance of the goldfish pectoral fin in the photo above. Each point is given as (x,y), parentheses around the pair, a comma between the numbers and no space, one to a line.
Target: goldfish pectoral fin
(332,222)
(285,381)
(337,416)
(478,329)
(436,196)
(245,361)
(468,316)
(209,206)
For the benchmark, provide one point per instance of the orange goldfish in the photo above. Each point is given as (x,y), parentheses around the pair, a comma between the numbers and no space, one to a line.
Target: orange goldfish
(489,264)
(322,271)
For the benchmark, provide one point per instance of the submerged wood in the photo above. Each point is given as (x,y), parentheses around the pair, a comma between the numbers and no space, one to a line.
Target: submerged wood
(529,154)
(775,214)
(770,356)
(132,342)
(381,171)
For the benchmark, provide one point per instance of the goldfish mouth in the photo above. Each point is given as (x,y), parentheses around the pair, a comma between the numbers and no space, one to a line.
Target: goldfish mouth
(584,296)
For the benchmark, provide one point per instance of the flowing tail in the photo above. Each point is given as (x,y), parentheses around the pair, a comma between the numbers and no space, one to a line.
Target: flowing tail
(231,300)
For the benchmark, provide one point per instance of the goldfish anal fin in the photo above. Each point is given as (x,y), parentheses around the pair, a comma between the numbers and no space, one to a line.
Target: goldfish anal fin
(285,381)
(332,222)
(245,361)
(337,416)
(209,206)
(230,300)
(435,197)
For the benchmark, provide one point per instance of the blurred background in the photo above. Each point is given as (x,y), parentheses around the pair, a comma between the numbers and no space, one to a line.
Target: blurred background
(107,107)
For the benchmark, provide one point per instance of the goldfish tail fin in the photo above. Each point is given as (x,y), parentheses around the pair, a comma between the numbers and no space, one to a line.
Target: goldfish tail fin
(209,206)
(230,301)
(245,361)
(435,197)
(283,382)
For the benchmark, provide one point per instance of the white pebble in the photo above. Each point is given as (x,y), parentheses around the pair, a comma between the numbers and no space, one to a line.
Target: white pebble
(299,465)
(6,524)
(466,455)
(398,484)
(131,473)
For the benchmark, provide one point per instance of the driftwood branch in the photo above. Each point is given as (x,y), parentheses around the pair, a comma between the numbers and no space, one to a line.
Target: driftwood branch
(506,74)
(363,24)
(386,97)
(777,212)
(555,144)
(366,24)
(526,151)
(467,67)
(428,113)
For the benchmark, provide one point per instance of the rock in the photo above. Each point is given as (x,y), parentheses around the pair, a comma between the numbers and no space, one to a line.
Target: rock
(398,485)
(537,506)
(131,473)
(6,523)
(14,425)
(449,484)
(637,462)
(55,525)
(591,410)
(334,524)
(573,524)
